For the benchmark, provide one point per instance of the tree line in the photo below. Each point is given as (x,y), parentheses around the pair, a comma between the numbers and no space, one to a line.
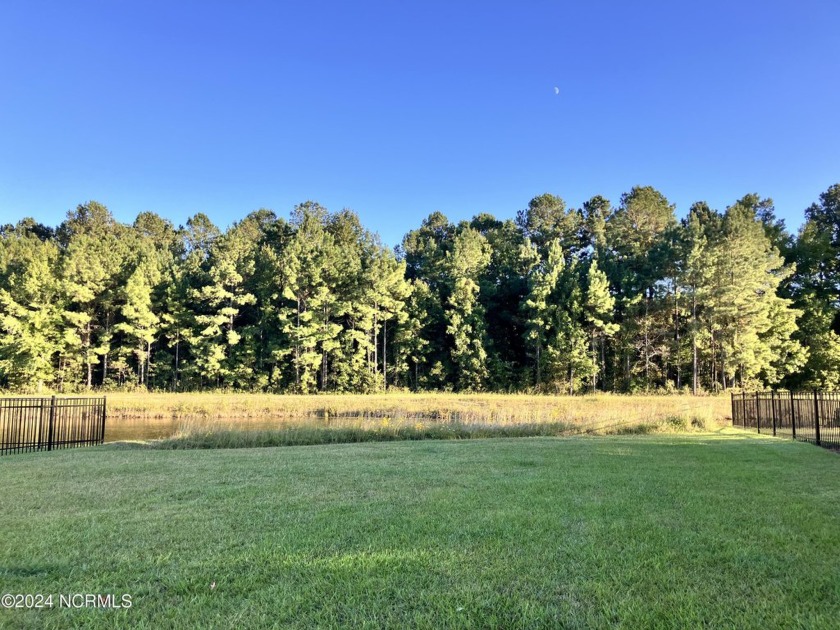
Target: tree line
(598,298)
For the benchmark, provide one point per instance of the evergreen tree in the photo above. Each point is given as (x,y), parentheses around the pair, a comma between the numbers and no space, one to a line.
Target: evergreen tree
(634,233)
(140,323)
(305,317)
(560,299)
(425,251)
(755,321)
(465,318)
(30,310)
(94,251)
(599,308)
(503,285)
(540,311)
(412,347)
(547,219)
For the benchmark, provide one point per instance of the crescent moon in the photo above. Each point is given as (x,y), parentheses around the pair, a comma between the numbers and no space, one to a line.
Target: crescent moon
(557,90)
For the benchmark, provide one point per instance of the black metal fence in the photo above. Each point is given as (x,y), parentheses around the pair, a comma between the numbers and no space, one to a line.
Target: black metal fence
(44,424)
(809,416)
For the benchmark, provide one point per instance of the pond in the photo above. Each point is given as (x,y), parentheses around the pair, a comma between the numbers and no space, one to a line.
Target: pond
(118,430)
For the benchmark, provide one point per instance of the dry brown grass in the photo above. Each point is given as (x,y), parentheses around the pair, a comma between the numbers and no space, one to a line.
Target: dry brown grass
(496,409)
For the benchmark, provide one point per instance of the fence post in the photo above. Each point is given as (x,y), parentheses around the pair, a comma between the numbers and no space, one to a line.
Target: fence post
(744,409)
(757,414)
(102,427)
(732,398)
(817,416)
(773,408)
(792,417)
(41,424)
(52,424)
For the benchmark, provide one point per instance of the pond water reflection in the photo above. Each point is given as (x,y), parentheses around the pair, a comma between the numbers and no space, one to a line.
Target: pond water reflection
(121,429)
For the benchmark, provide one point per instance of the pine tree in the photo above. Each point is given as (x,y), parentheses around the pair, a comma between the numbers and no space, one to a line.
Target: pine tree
(503,286)
(465,317)
(755,320)
(410,343)
(547,219)
(561,299)
(30,310)
(305,316)
(634,232)
(599,308)
(140,323)
(425,251)
(94,249)
(539,310)
(816,291)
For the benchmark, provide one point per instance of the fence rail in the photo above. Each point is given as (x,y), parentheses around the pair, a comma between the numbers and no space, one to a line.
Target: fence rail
(44,424)
(808,416)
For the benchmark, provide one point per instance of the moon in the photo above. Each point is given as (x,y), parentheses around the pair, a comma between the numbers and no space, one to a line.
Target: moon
(557,90)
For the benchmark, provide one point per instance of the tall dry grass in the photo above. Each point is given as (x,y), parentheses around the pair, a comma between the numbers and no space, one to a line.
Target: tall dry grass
(214,420)
(497,409)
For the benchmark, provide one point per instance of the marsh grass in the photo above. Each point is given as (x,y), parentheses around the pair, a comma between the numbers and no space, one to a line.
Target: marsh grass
(214,420)
(495,408)
(309,434)
(219,433)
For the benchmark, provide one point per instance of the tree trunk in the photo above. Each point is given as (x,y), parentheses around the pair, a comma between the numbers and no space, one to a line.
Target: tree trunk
(647,341)
(87,358)
(61,374)
(297,350)
(376,343)
(385,352)
(603,362)
(177,360)
(627,370)
(107,352)
(694,342)
(677,331)
(324,352)
(714,356)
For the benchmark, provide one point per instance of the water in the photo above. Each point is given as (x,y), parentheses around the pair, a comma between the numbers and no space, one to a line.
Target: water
(140,429)
(118,430)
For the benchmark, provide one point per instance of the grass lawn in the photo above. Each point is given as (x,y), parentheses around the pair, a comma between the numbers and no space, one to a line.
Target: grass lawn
(724,529)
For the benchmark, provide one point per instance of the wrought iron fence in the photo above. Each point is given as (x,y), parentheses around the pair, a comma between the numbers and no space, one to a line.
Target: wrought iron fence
(808,416)
(44,424)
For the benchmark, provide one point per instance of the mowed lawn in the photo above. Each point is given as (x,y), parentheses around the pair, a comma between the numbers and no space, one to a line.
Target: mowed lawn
(724,529)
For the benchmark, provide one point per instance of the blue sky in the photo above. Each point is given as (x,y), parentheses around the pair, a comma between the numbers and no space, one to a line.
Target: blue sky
(398,109)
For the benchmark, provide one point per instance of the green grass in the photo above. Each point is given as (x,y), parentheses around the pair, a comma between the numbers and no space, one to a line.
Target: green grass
(703,530)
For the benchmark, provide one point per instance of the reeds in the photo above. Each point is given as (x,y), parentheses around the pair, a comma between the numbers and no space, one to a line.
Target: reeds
(210,432)
(496,409)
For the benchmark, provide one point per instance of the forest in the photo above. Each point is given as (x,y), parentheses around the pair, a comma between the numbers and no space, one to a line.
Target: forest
(604,297)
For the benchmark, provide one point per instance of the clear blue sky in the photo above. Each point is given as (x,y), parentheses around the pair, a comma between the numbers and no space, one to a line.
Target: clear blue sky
(397,109)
